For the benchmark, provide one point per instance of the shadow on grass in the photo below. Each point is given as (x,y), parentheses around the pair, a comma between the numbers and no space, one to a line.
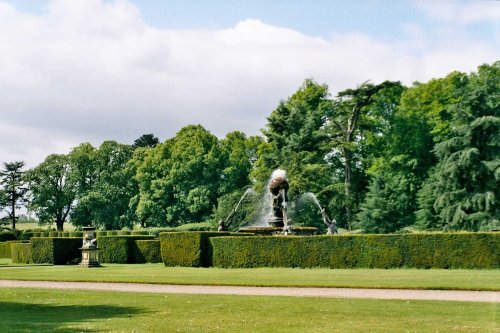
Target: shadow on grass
(23,317)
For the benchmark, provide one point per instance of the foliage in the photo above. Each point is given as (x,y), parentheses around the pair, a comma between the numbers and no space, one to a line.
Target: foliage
(7,235)
(55,250)
(21,253)
(53,190)
(3,250)
(14,192)
(465,250)
(146,251)
(463,190)
(105,185)
(188,249)
(118,249)
(146,140)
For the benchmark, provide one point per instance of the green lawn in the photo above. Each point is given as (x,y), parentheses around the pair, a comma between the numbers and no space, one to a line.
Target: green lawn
(357,278)
(31,310)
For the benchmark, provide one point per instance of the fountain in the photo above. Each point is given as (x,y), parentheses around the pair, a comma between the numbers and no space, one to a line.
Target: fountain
(277,220)
(226,223)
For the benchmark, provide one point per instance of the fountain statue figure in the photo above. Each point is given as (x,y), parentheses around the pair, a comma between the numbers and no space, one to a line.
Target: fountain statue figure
(278,186)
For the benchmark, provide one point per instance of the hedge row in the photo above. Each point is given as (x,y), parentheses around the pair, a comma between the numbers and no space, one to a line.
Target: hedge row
(21,253)
(462,250)
(189,249)
(118,249)
(146,251)
(55,250)
(72,234)
(6,236)
(3,250)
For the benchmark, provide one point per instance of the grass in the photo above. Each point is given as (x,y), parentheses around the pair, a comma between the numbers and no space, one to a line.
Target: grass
(32,310)
(286,277)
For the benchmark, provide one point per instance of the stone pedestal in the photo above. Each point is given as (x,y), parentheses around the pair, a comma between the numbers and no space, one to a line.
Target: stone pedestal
(89,249)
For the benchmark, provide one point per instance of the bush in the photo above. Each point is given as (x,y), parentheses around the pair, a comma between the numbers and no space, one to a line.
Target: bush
(189,249)
(139,232)
(465,250)
(53,234)
(146,251)
(3,250)
(112,233)
(204,226)
(75,234)
(118,249)
(8,247)
(21,253)
(7,236)
(55,250)
(123,232)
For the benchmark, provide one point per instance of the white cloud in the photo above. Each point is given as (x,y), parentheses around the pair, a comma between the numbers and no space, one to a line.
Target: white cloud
(463,12)
(93,70)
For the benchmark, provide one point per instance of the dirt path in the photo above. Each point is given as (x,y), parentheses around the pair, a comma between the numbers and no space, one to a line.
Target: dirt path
(438,295)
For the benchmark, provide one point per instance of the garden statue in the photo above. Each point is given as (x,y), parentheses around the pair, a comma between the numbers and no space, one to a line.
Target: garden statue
(89,249)
(330,224)
(278,186)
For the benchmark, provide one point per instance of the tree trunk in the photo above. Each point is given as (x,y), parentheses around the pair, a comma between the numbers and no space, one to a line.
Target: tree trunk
(13,207)
(347,187)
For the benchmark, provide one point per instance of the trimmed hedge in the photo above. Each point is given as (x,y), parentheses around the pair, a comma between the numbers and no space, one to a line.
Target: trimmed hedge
(55,250)
(444,250)
(189,249)
(21,253)
(3,250)
(118,249)
(7,236)
(8,247)
(146,251)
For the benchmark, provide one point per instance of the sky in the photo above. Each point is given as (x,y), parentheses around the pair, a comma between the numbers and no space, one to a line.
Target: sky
(74,71)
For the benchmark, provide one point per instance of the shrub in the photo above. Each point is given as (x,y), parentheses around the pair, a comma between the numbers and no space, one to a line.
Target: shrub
(53,234)
(118,249)
(74,234)
(146,251)
(44,234)
(112,233)
(189,249)
(123,232)
(7,236)
(21,253)
(203,226)
(465,250)
(139,232)
(3,250)
(100,234)
(55,250)
(8,247)
(26,235)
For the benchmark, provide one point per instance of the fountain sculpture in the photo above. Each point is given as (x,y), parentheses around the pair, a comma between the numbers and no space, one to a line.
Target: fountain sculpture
(277,220)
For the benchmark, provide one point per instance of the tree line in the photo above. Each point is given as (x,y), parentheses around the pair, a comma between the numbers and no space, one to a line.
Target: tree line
(381,158)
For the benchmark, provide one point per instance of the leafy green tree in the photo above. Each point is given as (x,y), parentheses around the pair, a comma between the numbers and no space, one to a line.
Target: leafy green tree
(146,140)
(352,108)
(464,187)
(14,192)
(179,180)
(105,185)
(405,152)
(387,203)
(53,190)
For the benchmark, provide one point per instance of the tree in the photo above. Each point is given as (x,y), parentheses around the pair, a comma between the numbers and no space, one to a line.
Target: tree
(146,140)
(463,190)
(343,122)
(53,190)
(14,189)
(179,180)
(105,185)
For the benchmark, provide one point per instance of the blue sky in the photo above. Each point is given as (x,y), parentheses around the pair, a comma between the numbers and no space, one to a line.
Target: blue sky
(74,71)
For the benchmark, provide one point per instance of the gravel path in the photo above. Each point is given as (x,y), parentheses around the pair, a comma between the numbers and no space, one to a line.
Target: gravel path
(438,295)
